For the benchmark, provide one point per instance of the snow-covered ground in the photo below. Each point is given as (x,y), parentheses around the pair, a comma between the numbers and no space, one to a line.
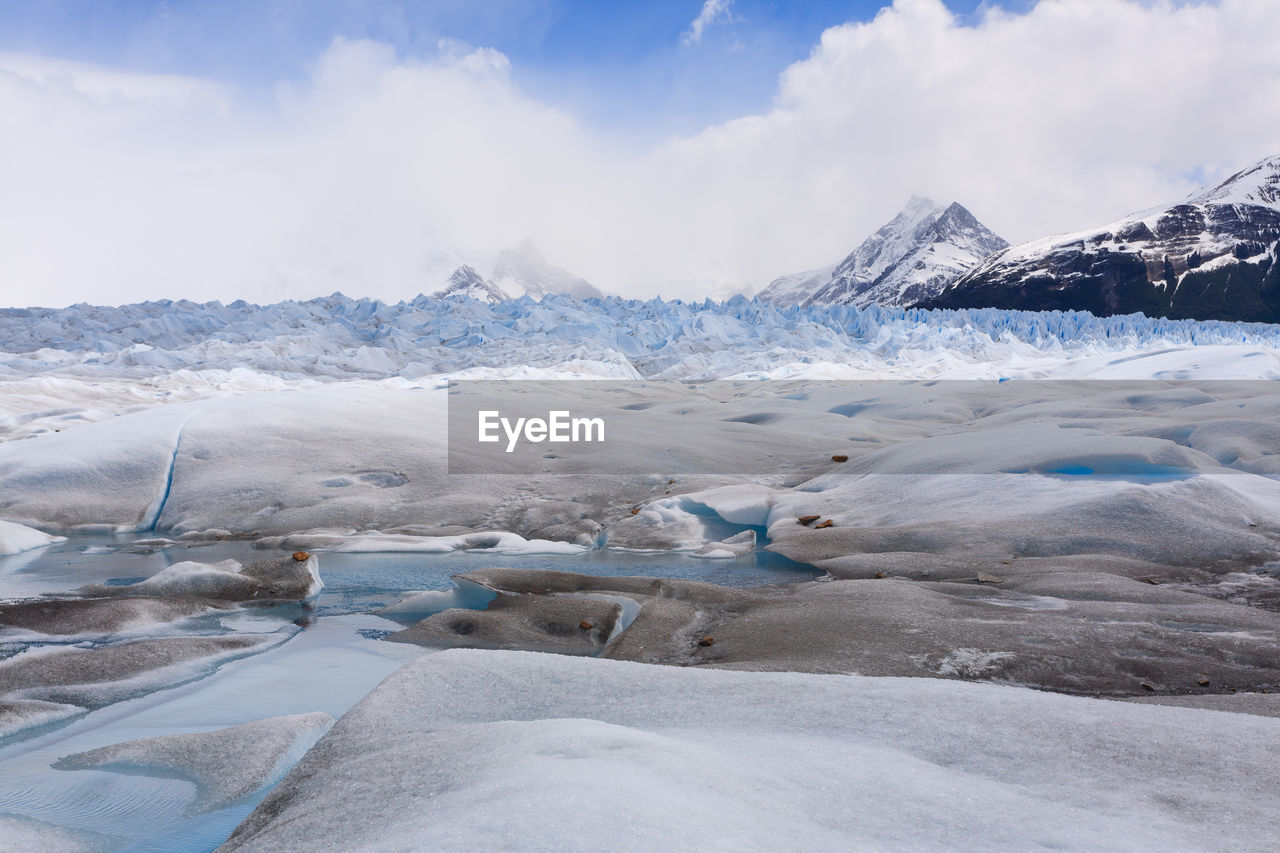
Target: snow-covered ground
(512,750)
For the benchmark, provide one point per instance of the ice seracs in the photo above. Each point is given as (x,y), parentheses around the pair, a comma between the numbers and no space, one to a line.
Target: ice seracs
(910,259)
(70,366)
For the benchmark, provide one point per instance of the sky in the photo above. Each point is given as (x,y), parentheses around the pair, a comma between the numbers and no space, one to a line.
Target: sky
(290,148)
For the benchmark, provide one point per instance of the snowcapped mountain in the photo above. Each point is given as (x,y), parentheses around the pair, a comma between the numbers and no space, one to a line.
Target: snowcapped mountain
(1212,256)
(518,272)
(912,258)
(465,281)
(524,272)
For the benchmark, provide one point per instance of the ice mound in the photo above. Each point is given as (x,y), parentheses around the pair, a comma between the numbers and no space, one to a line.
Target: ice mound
(559,752)
(1039,448)
(16,538)
(746,504)
(93,616)
(1260,704)
(373,541)
(1052,627)
(98,676)
(667,524)
(573,625)
(18,714)
(66,655)
(280,579)
(225,764)
(465,594)
(211,535)
(660,620)
(935,527)
(737,545)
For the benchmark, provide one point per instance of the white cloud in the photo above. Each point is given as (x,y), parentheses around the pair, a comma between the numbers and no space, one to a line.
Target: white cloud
(712,11)
(379,171)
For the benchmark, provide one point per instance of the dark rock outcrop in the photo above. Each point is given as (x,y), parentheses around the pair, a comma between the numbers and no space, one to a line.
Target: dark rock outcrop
(1212,257)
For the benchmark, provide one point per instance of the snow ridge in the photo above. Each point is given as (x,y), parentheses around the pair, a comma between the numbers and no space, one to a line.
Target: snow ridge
(1259,184)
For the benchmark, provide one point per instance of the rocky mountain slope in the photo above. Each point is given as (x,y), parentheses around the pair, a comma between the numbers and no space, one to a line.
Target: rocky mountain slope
(1211,257)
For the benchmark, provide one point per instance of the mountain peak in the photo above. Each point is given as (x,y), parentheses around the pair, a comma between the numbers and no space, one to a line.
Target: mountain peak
(956,216)
(465,276)
(911,258)
(956,225)
(465,281)
(527,252)
(523,271)
(1257,184)
(956,210)
(920,203)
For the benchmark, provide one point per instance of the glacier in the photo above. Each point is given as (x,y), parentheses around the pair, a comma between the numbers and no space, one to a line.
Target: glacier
(207,432)
(232,347)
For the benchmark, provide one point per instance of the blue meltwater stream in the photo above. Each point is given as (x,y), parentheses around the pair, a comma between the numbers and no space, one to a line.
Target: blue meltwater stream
(324,656)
